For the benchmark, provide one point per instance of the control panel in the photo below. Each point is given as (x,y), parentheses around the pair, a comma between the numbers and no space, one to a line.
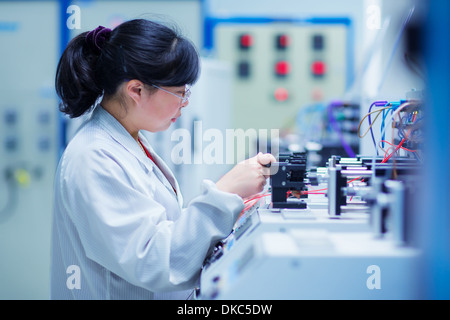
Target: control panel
(282,66)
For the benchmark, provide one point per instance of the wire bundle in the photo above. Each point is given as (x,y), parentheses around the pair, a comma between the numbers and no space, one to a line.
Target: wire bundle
(411,120)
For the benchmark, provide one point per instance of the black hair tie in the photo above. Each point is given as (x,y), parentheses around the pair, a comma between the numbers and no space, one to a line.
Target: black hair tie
(97,38)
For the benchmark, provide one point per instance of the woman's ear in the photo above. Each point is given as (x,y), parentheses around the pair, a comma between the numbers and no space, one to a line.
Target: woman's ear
(134,89)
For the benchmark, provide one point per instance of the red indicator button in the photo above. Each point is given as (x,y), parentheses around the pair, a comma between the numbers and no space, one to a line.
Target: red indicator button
(318,68)
(282,41)
(281,94)
(282,68)
(245,41)
(317,94)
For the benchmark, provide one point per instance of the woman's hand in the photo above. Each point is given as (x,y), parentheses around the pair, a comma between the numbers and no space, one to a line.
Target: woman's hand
(248,177)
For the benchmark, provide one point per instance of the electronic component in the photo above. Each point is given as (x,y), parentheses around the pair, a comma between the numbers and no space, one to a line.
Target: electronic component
(288,175)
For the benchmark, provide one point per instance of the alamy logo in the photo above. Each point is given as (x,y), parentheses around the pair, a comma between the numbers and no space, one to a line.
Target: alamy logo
(74,280)
(74,20)
(212,146)
(373,13)
(374,280)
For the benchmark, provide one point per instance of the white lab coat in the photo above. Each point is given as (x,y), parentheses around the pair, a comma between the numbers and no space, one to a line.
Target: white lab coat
(119,229)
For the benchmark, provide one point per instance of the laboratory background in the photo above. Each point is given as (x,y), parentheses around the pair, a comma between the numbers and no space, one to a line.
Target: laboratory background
(351,96)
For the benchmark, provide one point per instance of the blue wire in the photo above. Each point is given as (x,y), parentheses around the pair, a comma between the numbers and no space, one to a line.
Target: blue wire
(376,103)
(394,105)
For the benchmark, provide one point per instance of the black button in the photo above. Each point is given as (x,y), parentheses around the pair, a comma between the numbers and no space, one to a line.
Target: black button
(318,42)
(244,69)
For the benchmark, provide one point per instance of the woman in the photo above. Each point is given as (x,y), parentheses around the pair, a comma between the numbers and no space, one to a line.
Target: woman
(119,229)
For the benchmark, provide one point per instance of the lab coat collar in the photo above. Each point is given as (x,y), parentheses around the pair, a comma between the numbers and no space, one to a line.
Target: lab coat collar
(161,168)
(123,137)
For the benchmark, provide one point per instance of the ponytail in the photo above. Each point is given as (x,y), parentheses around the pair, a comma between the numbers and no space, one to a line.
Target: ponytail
(75,77)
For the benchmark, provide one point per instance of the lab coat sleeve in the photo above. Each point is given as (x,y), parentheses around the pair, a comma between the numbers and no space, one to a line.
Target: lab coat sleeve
(124,228)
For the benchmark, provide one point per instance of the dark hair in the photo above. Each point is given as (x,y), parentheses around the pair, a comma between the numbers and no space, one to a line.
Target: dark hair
(137,49)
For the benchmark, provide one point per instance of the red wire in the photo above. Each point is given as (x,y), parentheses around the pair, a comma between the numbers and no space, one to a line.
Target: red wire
(254,200)
(257,197)
(400,147)
(396,149)
(354,180)
(312,191)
